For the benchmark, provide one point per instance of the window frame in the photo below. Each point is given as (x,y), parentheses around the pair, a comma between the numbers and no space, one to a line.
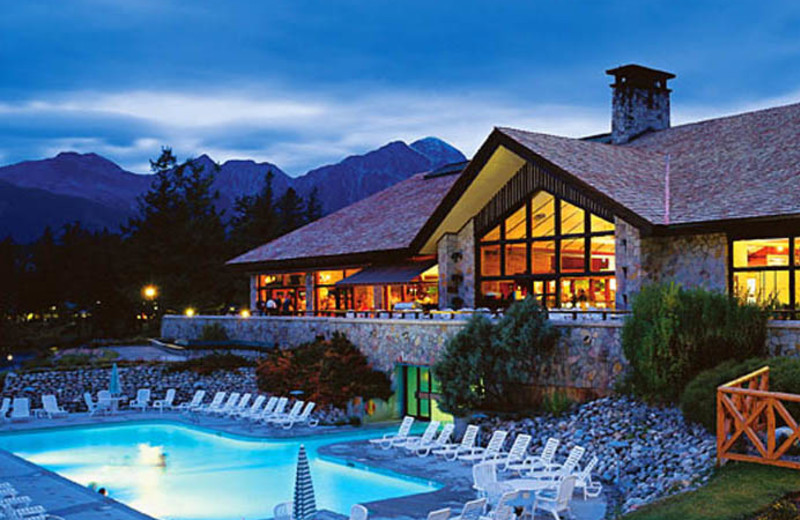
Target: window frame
(792,268)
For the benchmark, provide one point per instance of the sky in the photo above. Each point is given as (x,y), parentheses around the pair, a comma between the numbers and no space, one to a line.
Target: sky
(304,83)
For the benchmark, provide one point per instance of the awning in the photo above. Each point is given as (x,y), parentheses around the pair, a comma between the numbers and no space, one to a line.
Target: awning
(387,274)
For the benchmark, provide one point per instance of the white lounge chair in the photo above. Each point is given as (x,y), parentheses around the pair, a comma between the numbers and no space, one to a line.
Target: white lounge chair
(278,410)
(254,409)
(424,449)
(452,451)
(50,407)
(272,402)
(491,451)
(303,418)
(412,442)
(550,478)
(283,511)
(4,408)
(167,402)
(194,404)
(504,510)
(389,440)
(556,501)
(215,403)
(233,398)
(484,481)
(439,514)
(104,404)
(584,480)
(91,406)
(21,410)
(472,510)
(294,411)
(241,406)
(142,400)
(542,461)
(358,512)
(517,452)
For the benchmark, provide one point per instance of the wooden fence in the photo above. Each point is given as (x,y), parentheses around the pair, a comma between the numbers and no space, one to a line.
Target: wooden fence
(748,415)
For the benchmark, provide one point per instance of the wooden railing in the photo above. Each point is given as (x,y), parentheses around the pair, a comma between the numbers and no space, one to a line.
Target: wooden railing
(747,418)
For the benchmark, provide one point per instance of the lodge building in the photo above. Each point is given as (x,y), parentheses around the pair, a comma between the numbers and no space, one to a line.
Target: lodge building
(575,223)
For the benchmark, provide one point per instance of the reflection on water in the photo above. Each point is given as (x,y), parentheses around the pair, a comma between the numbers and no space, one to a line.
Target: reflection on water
(176,473)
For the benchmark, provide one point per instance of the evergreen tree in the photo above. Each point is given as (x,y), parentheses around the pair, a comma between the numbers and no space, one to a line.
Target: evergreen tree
(313,206)
(256,220)
(291,210)
(178,241)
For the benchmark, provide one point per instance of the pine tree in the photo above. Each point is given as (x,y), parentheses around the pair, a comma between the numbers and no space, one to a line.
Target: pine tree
(313,206)
(291,210)
(256,220)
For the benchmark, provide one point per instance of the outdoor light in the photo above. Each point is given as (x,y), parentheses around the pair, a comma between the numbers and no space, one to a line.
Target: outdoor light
(150,292)
(189,312)
(245,313)
(10,357)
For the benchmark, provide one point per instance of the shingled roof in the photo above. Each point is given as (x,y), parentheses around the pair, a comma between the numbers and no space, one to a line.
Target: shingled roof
(386,221)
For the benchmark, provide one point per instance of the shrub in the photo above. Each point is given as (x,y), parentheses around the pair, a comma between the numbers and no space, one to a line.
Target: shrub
(483,362)
(699,399)
(674,333)
(783,509)
(206,365)
(326,371)
(556,403)
(214,332)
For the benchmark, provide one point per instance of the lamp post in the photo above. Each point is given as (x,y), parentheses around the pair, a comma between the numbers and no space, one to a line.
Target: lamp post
(149,305)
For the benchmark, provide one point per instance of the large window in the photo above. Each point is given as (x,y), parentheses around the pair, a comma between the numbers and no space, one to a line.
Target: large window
(551,249)
(767,270)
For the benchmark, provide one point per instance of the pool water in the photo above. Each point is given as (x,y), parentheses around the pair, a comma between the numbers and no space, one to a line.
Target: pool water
(206,476)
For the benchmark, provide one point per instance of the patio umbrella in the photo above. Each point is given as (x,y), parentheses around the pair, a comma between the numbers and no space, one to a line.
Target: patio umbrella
(305,506)
(113,385)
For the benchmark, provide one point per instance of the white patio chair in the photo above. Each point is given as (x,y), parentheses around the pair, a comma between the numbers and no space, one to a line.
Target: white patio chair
(4,408)
(427,436)
(50,407)
(167,403)
(484,481)
(358,512)
(555,501)
(542,461)
(91,406)
(21,410)
(389,440)
(452,451)
(215,404)
(277,411)
(473,510)
(283,511)
(439,514)
(303,418)
(584,480)
(104,401)
(504,510)
(254,408)
(479,454)
(241,406)
(142,400)
(424,449)
(294,412)
(517,452)
(233,398)
(194,404)
(552,477)
(268,409)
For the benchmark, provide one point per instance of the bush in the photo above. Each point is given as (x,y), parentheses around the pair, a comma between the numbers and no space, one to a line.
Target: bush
(675,333)
(326,371)
(214,332)
(783,509)
(699,400)
(211,363)
(556,403)
(483,362)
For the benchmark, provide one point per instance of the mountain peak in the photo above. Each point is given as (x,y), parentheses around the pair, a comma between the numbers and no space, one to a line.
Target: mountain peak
(437,151)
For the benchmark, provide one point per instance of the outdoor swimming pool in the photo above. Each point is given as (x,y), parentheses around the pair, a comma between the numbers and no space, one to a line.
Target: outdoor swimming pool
(207,476)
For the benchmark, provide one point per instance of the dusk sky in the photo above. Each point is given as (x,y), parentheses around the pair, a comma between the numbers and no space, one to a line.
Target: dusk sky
(301,83)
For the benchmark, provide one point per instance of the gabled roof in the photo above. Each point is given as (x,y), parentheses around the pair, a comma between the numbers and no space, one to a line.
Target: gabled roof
(387,222)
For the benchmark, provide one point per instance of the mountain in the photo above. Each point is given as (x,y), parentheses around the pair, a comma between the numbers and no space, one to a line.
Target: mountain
(26,212)
(98,193)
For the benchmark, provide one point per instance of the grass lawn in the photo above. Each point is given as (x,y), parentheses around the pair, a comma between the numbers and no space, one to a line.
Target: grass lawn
(738,490)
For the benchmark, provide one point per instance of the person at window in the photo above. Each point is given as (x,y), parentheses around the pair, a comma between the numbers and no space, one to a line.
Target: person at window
(272,307)
(288,307)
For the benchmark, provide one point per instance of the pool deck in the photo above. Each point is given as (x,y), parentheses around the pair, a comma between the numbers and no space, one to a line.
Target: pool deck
(72,501)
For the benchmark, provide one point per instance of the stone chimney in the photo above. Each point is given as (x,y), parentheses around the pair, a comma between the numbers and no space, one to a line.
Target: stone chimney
(640,102)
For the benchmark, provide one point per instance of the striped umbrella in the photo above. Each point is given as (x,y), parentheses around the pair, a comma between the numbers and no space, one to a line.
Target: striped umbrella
(113,385)
(305,506)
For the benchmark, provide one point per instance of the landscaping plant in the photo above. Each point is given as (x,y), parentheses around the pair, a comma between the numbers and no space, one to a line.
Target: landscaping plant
(484,365)
(674,333)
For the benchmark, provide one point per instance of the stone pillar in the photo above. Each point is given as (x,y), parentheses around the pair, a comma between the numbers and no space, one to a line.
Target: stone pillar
(466,244)
(446,248)
(628,253)
(311,287)
(377,296)
(253,293)
(456,258)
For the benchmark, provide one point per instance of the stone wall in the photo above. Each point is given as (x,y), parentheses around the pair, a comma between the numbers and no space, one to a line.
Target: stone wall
(784,338)
(691,260)
(456,257)
(628,269)
(588,357)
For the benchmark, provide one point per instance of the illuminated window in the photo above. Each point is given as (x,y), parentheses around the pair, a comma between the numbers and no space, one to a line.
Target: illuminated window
(764,269)
(537,244)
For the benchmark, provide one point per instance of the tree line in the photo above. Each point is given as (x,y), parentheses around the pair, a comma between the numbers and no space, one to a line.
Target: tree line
(178,242)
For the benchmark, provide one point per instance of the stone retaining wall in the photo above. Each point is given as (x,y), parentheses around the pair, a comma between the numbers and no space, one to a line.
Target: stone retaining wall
(588,358)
